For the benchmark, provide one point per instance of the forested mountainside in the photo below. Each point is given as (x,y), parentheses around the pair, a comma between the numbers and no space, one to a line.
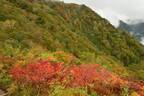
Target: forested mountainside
(70,33)
(68,27)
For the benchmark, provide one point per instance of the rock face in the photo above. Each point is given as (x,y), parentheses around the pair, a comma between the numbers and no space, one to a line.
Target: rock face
(136,28)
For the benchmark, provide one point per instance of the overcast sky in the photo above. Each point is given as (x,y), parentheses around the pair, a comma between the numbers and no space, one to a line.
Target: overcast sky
(114,10)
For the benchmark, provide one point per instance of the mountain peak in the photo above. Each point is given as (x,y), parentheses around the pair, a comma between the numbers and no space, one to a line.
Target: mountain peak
(136,27)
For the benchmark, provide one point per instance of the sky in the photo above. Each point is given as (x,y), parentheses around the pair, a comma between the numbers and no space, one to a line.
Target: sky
(113,10)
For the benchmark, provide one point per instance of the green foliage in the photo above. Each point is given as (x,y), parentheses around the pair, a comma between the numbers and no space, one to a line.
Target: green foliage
(60,91)
(70,33)
(2,17)
(125,91)
(5,79)
(137,70)
(58,26)
(16,90)
(87,57)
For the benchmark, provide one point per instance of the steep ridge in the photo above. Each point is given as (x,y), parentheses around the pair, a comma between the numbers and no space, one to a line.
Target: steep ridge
(69,27)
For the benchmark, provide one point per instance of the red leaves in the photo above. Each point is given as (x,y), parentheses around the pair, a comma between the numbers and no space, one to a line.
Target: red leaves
(100,80)
(47,73)
(137,86)
(84,74)
(41,72)
(18,73)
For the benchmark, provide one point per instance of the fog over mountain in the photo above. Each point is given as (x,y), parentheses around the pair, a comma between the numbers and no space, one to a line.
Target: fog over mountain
(135,27)
(115,10)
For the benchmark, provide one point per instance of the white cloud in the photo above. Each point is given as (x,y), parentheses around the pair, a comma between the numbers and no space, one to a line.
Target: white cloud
(112,16)
(142,41)
(115,9)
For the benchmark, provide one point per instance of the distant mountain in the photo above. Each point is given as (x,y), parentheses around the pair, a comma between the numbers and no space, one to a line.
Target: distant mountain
(136,27)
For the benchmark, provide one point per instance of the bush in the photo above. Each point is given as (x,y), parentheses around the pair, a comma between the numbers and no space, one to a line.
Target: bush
(41,76)
(43,72)
(2,17)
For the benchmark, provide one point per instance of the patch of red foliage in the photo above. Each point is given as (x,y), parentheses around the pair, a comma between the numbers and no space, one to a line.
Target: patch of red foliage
(38,73)
(93,76)
(103,81)
(137,86)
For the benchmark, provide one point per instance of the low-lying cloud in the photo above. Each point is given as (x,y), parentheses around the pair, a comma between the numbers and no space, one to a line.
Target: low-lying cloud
(113,10)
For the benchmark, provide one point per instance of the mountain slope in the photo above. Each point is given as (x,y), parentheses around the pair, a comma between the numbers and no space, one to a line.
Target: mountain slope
(135,28)
(57,49)
(69,27)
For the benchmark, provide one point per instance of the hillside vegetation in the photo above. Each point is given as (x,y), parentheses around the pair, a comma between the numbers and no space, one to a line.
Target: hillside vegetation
(33,30)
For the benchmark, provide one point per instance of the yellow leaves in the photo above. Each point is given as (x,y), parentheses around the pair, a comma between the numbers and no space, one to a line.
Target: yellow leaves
(134,94)
(13,87)
(64,57)
(9,24)
(1,66)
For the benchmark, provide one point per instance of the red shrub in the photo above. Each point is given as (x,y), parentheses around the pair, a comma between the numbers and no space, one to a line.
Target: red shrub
(103,81)
(87,74)
(39,73)
(137,86)
(93,77)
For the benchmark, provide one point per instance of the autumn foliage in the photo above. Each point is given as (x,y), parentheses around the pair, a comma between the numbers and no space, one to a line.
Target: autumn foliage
(37,73)
(94,77)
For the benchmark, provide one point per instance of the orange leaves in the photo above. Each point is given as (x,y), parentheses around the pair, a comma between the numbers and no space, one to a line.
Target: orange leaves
(48,72)
(94,77)
(43,72)
(100,80)
(17,72)
(137,86)
(84,75)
